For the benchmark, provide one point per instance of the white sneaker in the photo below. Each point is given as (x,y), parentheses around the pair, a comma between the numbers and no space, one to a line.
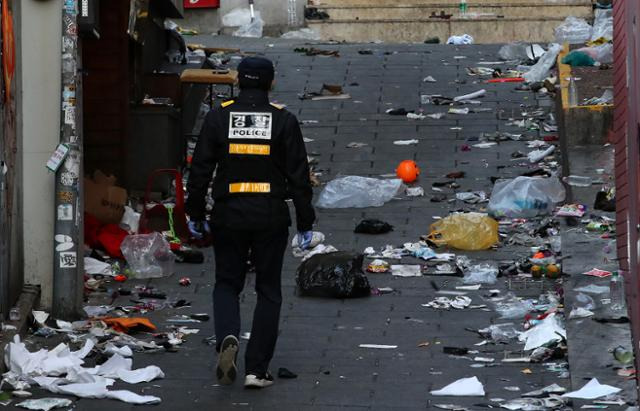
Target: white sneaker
(258,381)
(226,370)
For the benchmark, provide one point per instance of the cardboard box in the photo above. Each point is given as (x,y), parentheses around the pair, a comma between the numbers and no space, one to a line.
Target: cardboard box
(103,199)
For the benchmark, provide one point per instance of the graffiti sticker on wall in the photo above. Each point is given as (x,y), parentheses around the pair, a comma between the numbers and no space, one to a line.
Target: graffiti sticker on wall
(68,259)
(65,212)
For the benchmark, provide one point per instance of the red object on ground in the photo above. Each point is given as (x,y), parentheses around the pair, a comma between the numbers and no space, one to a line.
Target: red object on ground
(110,238)
(156,217)
(107,236)
(120,278)
(408,171)
(506,80)
(201,4)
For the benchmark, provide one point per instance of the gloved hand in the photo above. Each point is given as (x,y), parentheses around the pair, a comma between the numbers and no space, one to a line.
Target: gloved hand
(304,239)
(198,229)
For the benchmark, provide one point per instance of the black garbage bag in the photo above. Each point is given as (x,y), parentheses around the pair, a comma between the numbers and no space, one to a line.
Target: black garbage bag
(605,201)
(333,275)
(373,226)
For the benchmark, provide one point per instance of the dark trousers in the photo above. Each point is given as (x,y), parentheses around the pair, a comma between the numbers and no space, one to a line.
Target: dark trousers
(232,249)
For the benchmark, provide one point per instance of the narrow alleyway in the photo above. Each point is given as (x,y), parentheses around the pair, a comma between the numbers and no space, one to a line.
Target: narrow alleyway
(320,338)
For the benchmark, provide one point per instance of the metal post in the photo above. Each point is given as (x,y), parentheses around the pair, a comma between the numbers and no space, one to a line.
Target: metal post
(68,248)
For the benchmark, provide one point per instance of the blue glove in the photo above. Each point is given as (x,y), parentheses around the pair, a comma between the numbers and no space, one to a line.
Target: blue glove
(198,229)
(304,239)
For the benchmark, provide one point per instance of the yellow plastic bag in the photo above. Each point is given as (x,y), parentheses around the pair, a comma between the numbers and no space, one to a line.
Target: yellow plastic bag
(465,231)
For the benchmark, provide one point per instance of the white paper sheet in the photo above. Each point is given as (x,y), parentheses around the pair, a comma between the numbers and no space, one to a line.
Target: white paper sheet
(548,330)
(378,346)
(464,387)
(592,390)
(45,404)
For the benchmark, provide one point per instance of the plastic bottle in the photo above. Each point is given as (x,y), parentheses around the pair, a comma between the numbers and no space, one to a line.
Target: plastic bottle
(579,181)
(573,92)
(616,293)
(463,7)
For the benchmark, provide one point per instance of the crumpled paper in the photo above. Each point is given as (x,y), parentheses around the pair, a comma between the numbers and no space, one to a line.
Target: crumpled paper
(464,387)
(60,371)
(547,331)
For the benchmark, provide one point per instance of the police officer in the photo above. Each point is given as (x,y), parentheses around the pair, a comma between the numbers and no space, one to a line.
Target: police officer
(257,152)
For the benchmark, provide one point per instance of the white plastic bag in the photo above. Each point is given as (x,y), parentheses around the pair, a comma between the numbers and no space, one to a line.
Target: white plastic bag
(512,307)
(525,197)
(358,192)
(481,274)
(601,54)
(148,255)
(603,24)
(241,17)
(573,31)
(513,51)
(463,39)
(540,70)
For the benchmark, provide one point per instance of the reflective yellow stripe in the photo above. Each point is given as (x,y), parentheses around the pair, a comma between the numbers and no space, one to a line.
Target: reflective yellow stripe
(227,103)
(257,149)
(278,106)
(249,188)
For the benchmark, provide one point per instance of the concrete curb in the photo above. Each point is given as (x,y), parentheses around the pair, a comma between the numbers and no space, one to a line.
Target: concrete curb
(28,300)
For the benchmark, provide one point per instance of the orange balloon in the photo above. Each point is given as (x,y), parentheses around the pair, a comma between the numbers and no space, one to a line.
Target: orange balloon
(408,171)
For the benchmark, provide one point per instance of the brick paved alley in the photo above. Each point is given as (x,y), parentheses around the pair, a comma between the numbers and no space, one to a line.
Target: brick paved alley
(319,338)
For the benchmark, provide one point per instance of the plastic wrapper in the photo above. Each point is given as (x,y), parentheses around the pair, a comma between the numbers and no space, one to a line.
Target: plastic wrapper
(465,231)
(513,307)
(241,17)
(481,274)
(525,197)
(302,34)
(373,226)
(573,31)
(602,53)
(148,255)
(358,192)
(540,70)
(513,51)
(602,25)
(462,39)
(334,275)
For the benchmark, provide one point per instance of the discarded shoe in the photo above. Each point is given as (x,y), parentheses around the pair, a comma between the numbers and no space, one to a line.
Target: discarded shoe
(258,381)
(226,370)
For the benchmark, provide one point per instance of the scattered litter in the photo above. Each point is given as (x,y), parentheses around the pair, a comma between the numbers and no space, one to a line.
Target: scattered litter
(471,96)
(465,387)
(45,404)
(547,331)
(415,116)
(355,191)
(95,266)
(596,272)
(593,289)
(481,274)
(378,346)
(43,367)
(302,34)
(580,312)
(525,197)
(573,30)
(472,197)
(454,110)
(355,144)
(148,255)
(429,79)
(537,155)
(592,390)
(378,266)
(540,70)
(465,231)
(485,145)
(406,270)
(512,307)
(405,142)
(334,275)
(436,116)
(444,303)
(459,40)
(571,210)
(414,191)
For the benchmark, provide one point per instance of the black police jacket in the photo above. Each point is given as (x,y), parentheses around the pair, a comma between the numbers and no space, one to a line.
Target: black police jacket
(257,152)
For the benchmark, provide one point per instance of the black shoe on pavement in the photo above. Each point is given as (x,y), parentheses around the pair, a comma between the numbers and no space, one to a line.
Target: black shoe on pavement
(258,381)
(226,370)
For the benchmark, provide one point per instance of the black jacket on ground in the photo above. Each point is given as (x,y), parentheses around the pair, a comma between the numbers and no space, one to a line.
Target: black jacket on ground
(289,168)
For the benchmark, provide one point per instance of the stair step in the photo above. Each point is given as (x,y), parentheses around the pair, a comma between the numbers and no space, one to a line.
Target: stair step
(422,12)
(484,30)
